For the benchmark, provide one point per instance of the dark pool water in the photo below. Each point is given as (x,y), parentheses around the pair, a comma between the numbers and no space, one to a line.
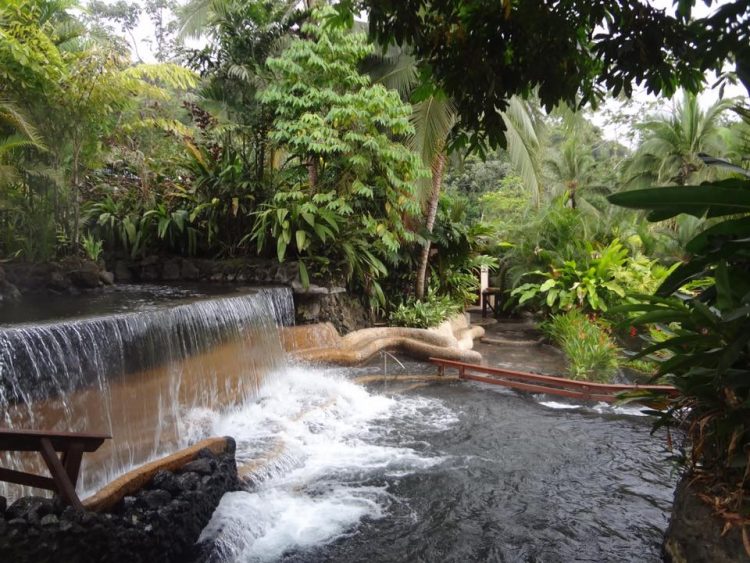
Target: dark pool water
(121,298)
(521,482)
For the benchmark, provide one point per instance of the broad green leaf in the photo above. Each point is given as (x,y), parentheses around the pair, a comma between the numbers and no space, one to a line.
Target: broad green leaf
(304,277)
(546,286)
(715,199)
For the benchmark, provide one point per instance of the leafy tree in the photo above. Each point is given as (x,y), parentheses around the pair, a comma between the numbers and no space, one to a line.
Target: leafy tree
(338,129)
(703,334)
(482,53)
(241,37)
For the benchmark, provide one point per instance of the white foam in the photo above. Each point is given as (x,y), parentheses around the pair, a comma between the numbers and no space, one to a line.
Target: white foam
(601,408)
(561,406)
(328,437)
(629,410)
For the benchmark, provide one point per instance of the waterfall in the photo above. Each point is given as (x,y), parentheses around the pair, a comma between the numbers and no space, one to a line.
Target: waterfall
(136,375)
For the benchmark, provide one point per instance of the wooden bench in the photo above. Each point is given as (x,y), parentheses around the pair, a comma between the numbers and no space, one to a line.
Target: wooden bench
(63,470)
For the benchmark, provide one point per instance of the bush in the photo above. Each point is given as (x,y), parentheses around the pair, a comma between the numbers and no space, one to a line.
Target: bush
(591,353)
(431,311)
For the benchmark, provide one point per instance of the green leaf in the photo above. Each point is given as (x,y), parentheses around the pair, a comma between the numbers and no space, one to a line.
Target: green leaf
(716,199)
(546,286)
(303,275)
(281,245)
(301,237)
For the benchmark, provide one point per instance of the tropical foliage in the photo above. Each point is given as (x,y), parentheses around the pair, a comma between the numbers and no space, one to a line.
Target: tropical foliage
(703,342)
(592,354)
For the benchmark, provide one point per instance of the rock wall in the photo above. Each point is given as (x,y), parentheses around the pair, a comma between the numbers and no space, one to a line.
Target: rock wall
(160,522)
(695,535)
(175,269)
(335,306)
(70,275)
(314,304)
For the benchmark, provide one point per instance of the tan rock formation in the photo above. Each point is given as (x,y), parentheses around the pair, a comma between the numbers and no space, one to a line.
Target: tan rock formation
(451,340)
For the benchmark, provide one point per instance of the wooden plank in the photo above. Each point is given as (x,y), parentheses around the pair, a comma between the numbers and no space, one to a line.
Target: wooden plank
(29,440)
(63,486)
(531,388)
(26,479)
(71,461)
(553,380)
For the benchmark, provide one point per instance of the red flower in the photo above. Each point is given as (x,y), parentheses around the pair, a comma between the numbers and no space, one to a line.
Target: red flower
(633,331)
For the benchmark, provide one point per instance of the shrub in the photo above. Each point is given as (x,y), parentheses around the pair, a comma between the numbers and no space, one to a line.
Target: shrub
(591,353)
(430,311)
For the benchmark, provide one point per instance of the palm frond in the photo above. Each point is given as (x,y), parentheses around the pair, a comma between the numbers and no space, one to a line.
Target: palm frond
(397,71)
(523,145)
(13,116)
(432,119)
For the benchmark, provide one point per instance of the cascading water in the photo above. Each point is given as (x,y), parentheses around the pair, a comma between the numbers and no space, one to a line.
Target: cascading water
(135,375)
(336,471)
(444,472)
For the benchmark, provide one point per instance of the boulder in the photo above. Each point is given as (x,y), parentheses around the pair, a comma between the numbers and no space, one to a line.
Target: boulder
(122,272)
(85,279)
(58,282)
(8,293)
(202,466)
(107,278)
(171,270)
(30,509)
(696,535)
(189,271)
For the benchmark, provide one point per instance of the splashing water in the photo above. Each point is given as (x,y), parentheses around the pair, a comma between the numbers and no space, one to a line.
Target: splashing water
(135,375)
(327,435)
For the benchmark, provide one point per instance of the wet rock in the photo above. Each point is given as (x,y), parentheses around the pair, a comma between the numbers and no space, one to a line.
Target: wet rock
(189,271)
(155,498)
(107,278)
(8,293)
(171,270)
(85,278)
(188,481)
(205,453)
(18,524)
(202,466)
(29,508)
(122,272)
(167,481)
(49,520)
(695,535)
(151,525)
(58,282)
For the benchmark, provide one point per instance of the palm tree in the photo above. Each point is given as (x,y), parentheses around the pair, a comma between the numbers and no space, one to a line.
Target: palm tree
(571,167)
(671,146)
(434,119)
(524,128)
(21,135)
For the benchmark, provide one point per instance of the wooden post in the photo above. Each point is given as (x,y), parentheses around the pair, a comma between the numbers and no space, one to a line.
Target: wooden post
(64,487)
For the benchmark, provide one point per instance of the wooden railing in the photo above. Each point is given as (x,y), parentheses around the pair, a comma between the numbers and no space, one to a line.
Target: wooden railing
(63,470)
(536,383)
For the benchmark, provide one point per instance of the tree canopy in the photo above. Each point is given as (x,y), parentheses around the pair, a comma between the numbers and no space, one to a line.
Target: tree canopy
(482,52)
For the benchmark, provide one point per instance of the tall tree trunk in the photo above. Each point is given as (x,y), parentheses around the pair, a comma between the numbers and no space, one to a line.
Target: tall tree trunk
(75,178)
(312,173)
(438,166)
